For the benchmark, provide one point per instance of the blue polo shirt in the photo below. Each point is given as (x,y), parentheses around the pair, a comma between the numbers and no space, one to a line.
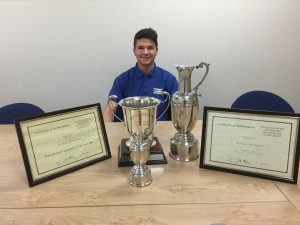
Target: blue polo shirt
(134,82)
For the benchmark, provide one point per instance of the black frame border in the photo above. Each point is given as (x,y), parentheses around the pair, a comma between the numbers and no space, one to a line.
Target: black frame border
(31,182)
(236,171)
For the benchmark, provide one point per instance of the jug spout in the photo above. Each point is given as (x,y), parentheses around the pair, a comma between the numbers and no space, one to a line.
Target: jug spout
(184,80)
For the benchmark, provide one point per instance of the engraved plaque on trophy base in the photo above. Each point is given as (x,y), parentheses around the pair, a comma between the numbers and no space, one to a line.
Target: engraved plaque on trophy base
(156,156)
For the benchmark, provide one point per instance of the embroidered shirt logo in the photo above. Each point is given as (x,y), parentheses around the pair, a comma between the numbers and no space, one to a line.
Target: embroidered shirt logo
(157,91)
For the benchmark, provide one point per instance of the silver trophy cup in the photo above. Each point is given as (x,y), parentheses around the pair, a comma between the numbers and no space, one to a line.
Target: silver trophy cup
(140,117)
(185,106)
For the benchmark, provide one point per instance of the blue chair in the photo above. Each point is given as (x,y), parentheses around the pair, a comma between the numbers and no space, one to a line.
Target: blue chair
(18,110)
(262,100)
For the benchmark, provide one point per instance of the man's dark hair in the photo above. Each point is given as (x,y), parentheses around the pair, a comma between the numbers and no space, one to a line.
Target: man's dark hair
(148,33)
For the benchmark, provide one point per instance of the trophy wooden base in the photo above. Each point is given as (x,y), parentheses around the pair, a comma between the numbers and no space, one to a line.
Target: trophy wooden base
(156,156)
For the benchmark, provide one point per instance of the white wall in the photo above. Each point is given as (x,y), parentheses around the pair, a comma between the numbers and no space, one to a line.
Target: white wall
(62,54)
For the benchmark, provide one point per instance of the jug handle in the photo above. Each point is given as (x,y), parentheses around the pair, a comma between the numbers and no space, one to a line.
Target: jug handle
(167,98)
(108,101)
(206,72)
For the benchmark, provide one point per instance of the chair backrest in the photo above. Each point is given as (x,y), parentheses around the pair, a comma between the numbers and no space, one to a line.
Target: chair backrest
(262,100)
(18,110)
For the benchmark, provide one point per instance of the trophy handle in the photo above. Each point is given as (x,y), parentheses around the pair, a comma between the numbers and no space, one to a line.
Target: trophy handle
(167,98)
(206,72)
(109,99)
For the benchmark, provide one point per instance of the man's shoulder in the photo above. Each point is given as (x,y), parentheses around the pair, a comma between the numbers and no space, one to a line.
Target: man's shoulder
(125,75)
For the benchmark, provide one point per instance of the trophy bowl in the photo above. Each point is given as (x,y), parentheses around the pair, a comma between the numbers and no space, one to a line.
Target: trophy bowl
(140,115)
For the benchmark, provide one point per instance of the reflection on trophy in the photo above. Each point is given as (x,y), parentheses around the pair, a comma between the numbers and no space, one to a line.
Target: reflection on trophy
(140,116)
(185,106)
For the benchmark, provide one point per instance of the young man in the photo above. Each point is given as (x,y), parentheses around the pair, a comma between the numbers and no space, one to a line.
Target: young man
(144,79)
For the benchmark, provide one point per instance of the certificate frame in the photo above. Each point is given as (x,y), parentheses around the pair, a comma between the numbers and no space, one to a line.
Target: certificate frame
(251,142)
(60,142)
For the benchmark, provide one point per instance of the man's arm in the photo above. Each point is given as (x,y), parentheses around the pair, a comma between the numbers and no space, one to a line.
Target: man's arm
(109,110)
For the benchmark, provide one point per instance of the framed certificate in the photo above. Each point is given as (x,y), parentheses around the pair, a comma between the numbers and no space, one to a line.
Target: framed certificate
(57,143)
(255,143)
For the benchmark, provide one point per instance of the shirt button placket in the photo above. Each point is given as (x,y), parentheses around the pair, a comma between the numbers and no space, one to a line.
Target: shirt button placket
(144,86)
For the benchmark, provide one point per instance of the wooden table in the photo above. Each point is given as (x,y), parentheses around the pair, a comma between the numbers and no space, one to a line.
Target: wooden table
(181,192)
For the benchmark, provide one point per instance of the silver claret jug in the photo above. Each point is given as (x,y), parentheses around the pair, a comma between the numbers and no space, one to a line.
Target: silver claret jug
(185,106)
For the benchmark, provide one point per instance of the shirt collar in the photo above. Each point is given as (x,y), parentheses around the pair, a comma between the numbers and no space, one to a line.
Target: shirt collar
(140,74)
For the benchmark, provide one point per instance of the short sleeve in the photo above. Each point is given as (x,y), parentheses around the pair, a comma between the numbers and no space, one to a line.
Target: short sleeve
(117,89)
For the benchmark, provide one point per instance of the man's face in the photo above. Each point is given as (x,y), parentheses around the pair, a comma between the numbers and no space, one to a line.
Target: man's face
(145,52)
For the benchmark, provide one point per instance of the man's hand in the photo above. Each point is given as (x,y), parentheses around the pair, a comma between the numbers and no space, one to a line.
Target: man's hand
(109,110)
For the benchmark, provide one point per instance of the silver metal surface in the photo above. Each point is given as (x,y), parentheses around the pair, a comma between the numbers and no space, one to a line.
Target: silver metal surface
(139,115)
(139,101)
(185,107)
(139,118)
(184,147)
(131,139)
(140,174)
